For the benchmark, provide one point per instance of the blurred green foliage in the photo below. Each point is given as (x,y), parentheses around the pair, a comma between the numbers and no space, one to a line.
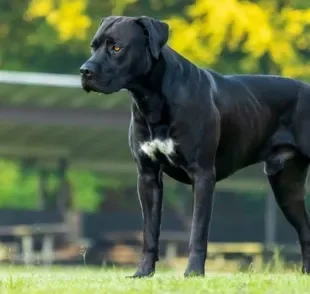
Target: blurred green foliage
(17,190)
(228,35)
(39,35)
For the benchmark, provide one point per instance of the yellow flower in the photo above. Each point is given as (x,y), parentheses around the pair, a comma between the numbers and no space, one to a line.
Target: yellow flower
(68,18)
(39,8)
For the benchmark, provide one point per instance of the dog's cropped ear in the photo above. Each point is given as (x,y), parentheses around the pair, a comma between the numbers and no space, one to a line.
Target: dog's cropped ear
(108,19)
(157,33)
(103,19)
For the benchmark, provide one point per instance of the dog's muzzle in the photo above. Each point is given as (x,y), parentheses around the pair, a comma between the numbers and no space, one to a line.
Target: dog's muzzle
(87,73)
(86,85)
(90,79)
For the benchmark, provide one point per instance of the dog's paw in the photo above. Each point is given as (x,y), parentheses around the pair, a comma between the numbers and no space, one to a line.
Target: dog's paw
(196,266)
(146,268)
(306,268)
(191,273)
(140,275)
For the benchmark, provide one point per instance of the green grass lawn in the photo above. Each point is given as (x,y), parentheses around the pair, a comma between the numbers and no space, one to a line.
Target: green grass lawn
(16,280)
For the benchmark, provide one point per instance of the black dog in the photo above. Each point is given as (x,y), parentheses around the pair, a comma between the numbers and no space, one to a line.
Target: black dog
(199,127)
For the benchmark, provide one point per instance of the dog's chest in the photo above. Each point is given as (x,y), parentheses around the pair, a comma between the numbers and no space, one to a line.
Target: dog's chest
(156,148)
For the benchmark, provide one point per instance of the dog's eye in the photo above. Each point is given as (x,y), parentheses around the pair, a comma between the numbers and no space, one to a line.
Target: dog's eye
(116,48)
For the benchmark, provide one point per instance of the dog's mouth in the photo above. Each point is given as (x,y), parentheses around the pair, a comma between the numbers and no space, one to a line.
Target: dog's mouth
(92,85)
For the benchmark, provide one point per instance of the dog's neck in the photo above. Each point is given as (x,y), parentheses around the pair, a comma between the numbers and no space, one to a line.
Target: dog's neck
(147,92)
(154,91)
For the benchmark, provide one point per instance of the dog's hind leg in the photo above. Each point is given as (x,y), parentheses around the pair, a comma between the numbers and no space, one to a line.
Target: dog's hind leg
(288,186)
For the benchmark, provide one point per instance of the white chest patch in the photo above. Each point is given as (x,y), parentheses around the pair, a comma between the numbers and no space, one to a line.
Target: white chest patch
(166,147)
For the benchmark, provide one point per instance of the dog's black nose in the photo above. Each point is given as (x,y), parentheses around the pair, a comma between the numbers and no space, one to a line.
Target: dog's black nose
(86,70)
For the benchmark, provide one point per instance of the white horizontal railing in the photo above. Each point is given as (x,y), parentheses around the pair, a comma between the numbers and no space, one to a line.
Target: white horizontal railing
(40,79)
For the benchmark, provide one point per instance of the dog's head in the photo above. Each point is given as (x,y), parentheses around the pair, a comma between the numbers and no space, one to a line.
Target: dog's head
(123,49)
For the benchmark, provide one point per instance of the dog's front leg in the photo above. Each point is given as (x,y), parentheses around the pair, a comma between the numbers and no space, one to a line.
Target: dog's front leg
(150,191)
(204,183)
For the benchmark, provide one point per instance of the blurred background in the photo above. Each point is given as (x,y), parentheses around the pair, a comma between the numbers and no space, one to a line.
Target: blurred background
(67,178)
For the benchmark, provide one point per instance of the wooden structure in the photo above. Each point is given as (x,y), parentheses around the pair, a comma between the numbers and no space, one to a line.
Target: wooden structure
(26,253)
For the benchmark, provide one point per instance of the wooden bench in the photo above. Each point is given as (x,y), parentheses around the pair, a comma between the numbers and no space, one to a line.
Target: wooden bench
(27,234)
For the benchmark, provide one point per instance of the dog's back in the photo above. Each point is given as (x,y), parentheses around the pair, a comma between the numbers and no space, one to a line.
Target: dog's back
(275,91)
